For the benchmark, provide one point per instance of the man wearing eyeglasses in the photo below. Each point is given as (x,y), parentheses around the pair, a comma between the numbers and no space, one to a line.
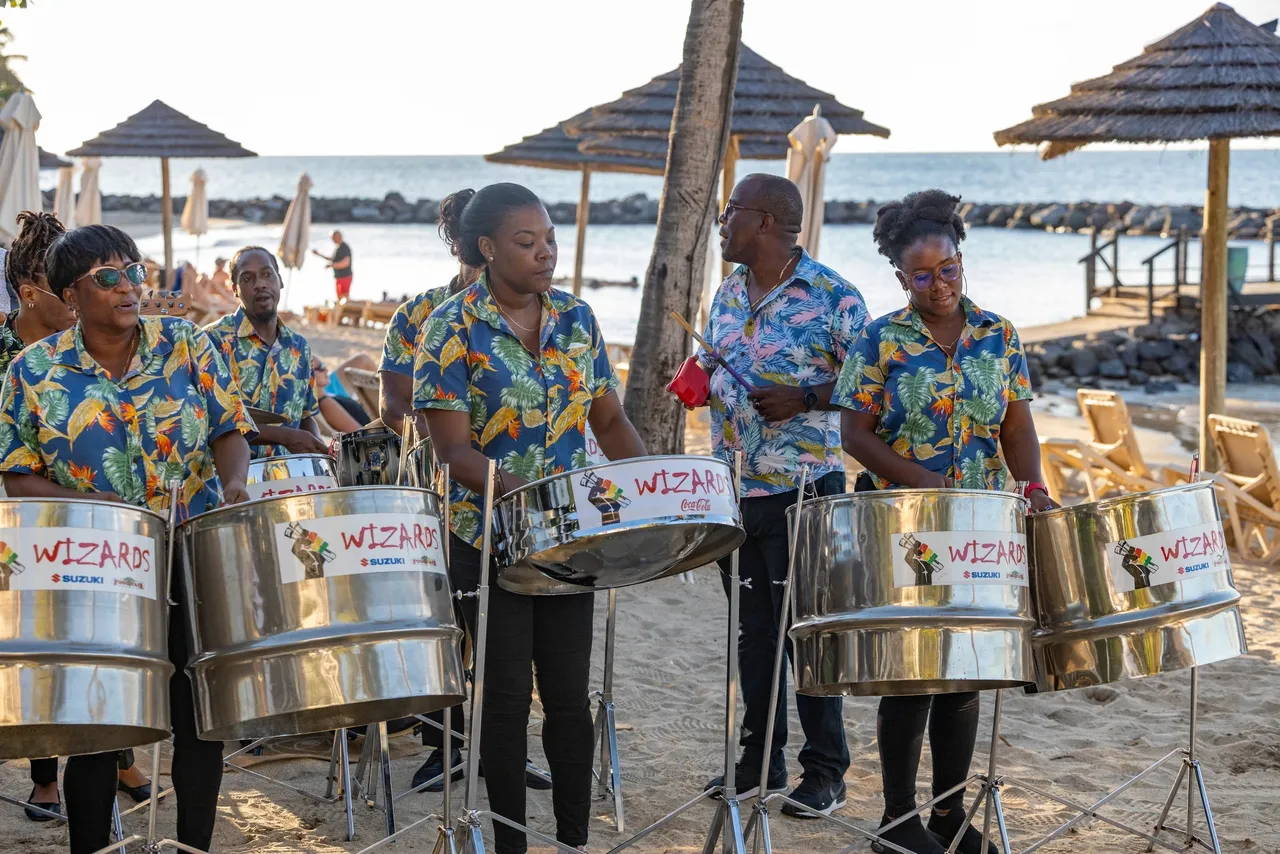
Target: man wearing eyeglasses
(784,322)
(270,362)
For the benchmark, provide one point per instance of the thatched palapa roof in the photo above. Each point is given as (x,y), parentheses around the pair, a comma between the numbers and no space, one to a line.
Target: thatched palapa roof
(767,102)
(555,149)
(1217,77)
(49,160)
(749,147)
(160,131)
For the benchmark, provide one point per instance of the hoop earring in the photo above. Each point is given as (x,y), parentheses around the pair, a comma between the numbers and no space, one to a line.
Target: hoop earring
(964,283)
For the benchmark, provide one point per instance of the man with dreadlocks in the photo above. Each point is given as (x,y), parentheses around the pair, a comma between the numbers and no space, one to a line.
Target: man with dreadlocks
(784,322)
(931,394)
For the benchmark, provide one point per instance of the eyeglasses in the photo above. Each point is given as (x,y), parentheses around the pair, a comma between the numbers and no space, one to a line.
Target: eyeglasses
(730,207)
(317,368)
(948,271)
(108,278)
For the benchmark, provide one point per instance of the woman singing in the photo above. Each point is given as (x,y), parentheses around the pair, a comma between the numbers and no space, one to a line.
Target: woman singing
(138,377)
(932,393)
(513,371)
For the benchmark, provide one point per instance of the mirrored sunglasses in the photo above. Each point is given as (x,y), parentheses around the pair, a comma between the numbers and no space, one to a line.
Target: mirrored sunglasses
(108,278)
(949,273)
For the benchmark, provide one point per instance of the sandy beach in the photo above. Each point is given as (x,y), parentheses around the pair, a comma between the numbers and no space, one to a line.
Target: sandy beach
(670,704)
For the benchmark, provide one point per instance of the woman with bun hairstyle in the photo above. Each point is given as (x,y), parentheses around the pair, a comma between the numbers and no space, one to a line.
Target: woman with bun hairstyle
(396,369)
(513,370)
(933,393)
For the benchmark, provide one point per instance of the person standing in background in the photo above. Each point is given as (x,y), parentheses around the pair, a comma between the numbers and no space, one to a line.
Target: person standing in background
(340,263)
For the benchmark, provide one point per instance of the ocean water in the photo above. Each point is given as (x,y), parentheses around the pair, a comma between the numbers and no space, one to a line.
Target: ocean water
(1032,277)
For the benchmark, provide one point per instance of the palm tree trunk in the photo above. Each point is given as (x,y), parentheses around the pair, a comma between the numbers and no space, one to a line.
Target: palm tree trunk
(673,282)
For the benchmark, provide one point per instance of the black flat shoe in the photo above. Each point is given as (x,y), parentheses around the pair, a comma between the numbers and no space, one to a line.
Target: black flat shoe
(54,807)
(137,793)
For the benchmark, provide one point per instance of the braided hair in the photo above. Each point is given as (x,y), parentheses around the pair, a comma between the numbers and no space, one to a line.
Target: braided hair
(25,260)
(922,214)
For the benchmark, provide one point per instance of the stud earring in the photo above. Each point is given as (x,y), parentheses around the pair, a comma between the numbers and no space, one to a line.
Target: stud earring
(31,305)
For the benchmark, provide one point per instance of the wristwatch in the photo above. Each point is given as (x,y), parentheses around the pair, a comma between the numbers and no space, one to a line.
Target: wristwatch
(810,400)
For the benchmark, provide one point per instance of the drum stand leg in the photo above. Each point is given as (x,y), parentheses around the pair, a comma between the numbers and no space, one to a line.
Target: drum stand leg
(726,822)
(1190,771)
(375,758)
(609,774)
(758,831)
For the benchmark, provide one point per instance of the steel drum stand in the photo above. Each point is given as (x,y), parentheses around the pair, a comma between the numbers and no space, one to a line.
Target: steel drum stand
(727,819)
(150,844)
(609,774)
(757,830)
(1190,771)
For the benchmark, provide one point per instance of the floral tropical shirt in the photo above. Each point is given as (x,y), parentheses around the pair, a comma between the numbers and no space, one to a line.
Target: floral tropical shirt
(275,377)
(10,344)
(62,416)
(528,410)
(797,335)
(944,413)
(402,333)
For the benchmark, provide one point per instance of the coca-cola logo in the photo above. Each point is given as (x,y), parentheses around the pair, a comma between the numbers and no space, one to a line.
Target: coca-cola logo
(696,505)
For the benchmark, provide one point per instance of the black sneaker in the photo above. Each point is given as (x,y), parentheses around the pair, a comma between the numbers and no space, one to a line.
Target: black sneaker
(434,767)
(911,835)
(747,778)
(945,827)
(818,796)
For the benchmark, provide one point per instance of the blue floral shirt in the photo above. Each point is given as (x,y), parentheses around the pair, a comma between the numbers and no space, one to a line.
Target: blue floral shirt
(275,377)
(402,332)
(798,335)
(62,416)
(941,412)
(528,410)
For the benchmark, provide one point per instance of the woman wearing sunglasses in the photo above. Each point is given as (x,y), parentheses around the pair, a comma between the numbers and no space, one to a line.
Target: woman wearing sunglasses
(40,314)
(932,394)
(137,377)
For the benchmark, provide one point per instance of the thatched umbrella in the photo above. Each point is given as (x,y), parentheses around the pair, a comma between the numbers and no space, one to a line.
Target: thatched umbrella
(161,131)
(554,149)
(1216,78)
(768,102)
(49,160)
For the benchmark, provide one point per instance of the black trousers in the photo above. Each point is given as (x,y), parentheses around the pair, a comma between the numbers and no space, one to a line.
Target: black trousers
(548,637)
(953,728)
(44,772)
(90,781)
(763,560)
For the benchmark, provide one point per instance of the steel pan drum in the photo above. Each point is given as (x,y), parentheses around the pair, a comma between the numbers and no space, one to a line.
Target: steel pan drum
(286,475)
(919,591)
(1132,586)
(616,524)
(421,465)
(369,456)
(84,652)
(318,611)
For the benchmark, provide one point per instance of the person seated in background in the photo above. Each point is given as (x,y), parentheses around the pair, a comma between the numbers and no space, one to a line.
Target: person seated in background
(211,293)
(270,363)
(344,414)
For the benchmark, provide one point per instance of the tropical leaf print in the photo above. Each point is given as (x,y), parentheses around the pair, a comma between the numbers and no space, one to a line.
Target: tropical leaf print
(54,407)
(527,465)
(950,424)
(916,389)
(515,358)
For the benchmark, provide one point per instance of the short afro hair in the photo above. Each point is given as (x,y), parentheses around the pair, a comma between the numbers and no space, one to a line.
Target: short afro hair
(922,214)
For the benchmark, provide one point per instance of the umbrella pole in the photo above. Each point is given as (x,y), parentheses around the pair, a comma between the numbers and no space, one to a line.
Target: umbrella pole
(1213,300)
(166,218)
(584,215)
(729,178)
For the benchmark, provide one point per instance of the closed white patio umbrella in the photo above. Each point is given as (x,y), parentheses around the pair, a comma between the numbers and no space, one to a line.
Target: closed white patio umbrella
(89,205)
(19,163)
(811,144)
(195,213)
(297,231)
(64,198)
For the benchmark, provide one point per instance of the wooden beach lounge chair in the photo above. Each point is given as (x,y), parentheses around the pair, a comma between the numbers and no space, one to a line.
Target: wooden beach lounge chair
(1249,484)
(1111,461)
(365,385)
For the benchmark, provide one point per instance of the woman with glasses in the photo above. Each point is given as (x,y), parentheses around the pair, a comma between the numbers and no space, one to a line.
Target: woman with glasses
(932,394)
(137,378)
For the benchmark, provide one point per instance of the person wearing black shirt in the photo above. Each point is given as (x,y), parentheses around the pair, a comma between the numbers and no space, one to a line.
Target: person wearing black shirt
(340,264)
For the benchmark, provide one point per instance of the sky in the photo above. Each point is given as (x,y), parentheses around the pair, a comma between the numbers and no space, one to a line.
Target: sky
(323,77)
